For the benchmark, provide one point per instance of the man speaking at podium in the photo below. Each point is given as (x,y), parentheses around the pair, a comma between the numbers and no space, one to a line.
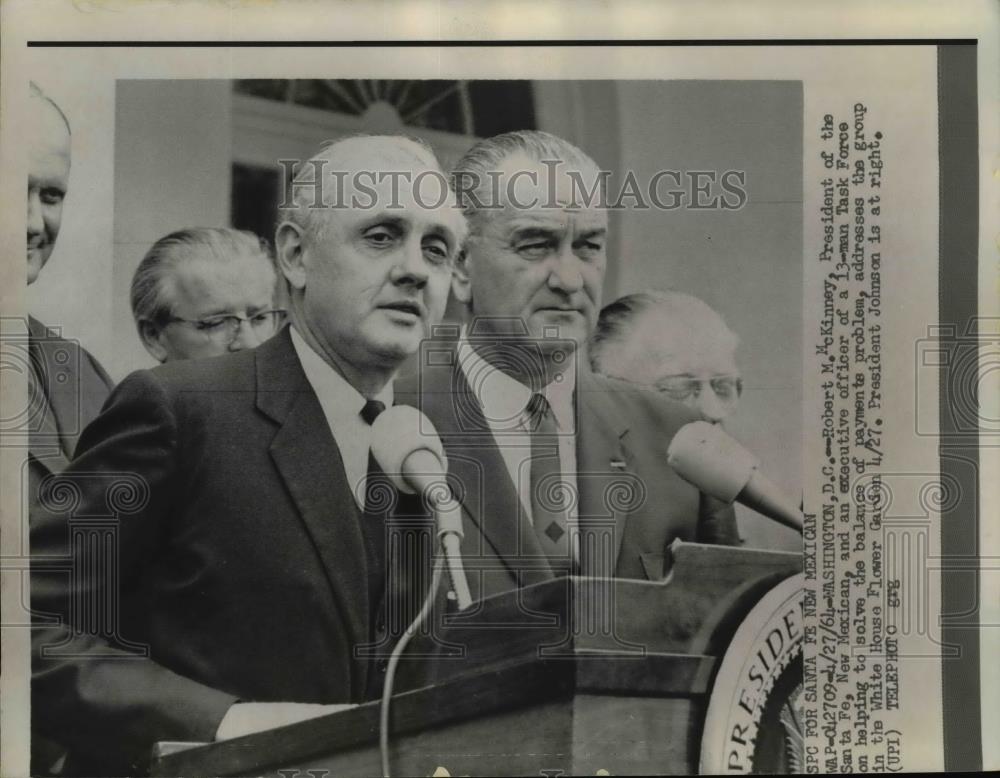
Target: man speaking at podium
(559,470)
(244,566)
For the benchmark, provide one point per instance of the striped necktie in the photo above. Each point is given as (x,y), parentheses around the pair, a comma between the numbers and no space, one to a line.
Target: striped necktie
(548,501)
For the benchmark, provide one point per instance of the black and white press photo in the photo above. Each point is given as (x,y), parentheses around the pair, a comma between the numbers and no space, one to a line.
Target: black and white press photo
(446,406)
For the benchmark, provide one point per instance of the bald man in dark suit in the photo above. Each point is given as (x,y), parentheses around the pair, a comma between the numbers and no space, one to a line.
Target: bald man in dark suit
(223,506)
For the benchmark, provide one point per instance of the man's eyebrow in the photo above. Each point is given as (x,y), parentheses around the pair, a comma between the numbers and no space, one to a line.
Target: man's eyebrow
(534,231)
(44,182)
(216,312)
(597,232)
(383,217)
(538,219)
(404,223)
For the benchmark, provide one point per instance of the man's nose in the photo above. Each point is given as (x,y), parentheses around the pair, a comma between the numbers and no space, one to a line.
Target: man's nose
(710,406)
(36,225)
(246,337)
(411,266)
(565,273)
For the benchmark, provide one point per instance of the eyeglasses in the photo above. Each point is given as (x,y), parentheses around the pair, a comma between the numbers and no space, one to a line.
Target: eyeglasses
(223,329)
(726,388)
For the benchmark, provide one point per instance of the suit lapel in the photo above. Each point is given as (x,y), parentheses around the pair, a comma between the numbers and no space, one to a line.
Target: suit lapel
(475,463)
(308,460)
(46,441)
(606,478)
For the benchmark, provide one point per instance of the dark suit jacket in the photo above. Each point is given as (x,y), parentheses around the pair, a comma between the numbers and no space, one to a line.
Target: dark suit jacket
(69,387)
(241,568)
(631,504)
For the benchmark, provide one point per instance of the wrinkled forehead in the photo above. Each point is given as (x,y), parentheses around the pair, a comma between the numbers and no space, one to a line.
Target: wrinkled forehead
(513,221)
(216,261)
(201,278)
(374,167)
(673,345)
(522,182)
(392,175)
(550,196)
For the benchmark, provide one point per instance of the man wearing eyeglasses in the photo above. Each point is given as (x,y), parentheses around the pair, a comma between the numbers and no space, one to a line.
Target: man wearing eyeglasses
(203,292)
(249,569)
(673,343)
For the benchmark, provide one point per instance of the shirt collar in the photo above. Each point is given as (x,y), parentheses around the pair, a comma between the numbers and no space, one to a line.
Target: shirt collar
(504,399)
(339,399)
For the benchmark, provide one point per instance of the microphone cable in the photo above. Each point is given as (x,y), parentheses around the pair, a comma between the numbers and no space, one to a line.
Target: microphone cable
(394,657)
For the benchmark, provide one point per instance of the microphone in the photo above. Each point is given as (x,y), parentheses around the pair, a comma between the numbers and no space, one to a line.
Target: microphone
(705,456)
(408,449)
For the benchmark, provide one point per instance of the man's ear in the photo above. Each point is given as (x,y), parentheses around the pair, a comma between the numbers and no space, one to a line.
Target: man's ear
(289,250)
(461,286)
(152,339)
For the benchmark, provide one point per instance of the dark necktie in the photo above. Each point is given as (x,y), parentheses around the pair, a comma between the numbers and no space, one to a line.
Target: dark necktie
(548,504)
(373,520)
(371,411)
(397,549)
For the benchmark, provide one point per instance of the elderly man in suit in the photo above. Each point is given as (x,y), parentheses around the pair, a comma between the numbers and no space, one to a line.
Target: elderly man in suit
(672,343)
(249,565)
(559,470)
(205,291)
(65,383)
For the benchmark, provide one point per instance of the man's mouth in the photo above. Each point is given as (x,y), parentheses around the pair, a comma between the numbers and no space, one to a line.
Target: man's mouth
(560,309)
(411,307)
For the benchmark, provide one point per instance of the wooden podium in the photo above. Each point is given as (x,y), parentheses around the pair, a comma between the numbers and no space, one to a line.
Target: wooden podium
(574,675)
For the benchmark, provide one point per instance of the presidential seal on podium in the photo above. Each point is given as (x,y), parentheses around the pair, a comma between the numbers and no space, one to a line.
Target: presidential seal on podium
(754,719)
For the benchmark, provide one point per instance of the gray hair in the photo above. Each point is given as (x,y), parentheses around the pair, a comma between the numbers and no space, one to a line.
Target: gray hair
(487,155)
(302,211)
(618,320)
(219,244)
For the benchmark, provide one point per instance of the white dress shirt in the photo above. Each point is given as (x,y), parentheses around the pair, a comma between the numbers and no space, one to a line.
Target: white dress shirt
(504,402)
(341,404)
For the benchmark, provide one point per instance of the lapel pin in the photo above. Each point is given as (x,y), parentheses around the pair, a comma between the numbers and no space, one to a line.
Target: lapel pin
(617,464)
